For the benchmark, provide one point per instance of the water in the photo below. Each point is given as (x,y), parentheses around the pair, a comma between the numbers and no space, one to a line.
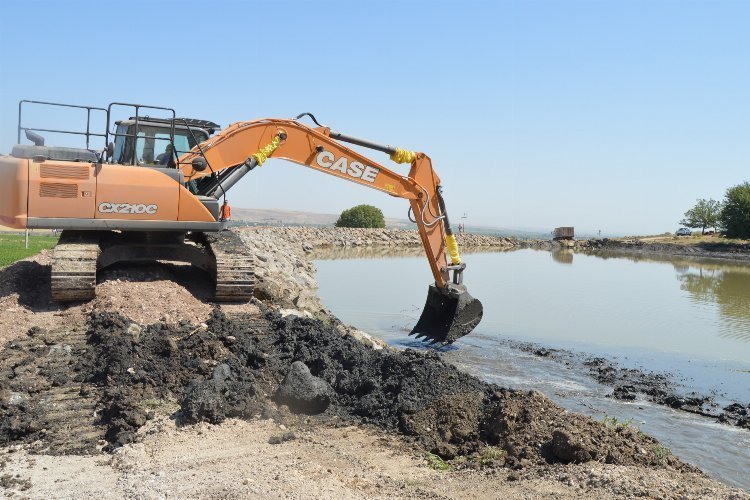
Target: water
(690,318)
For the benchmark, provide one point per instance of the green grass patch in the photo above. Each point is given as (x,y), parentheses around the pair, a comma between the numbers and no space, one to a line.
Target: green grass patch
(661,453)
(490,455)
(12,246)
(614,423)
(163,406)
(437,463)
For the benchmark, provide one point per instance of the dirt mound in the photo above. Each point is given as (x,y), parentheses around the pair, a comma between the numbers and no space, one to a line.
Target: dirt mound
(25,298)
(132,365)
(154,292)
(232,366)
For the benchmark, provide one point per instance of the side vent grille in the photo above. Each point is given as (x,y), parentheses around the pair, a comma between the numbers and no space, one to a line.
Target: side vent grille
(56,190)
(64,172)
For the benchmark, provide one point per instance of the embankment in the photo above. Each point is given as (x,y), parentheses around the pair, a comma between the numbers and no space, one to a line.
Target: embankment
(308,238)
(704,249)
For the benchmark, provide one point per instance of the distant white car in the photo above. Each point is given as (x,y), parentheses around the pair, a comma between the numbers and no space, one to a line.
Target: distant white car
(683,231)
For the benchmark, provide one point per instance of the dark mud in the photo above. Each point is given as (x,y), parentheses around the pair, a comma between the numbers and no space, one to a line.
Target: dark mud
(630,384)
(234,367)
(41,393)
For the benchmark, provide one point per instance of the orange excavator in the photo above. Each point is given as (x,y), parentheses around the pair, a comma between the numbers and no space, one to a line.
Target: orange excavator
(153,193)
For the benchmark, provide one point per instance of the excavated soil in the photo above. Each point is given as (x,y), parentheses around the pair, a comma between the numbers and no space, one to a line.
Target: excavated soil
(124,373)
(145,293)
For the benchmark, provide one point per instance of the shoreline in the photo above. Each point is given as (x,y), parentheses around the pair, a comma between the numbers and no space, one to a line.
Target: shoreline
(479,429)
(716,250)
(629,384)
(310,238)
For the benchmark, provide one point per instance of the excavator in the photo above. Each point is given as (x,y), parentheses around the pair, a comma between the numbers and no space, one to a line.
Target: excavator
(154,193)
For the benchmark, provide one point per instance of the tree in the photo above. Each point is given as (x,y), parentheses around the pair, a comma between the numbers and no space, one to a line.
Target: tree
(704,214)
(361,216)
(735,217)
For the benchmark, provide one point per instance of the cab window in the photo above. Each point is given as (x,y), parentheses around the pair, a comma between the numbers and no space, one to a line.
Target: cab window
(152,143)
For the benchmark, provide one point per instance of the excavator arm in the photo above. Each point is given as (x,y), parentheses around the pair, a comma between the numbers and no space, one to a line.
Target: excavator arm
(450,312)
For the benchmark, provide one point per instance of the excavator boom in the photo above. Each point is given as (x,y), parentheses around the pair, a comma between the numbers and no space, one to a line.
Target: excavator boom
(450,311)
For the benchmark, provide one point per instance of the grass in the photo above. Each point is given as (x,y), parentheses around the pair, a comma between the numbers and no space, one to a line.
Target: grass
(165,406)
(490,455)
(614,423)
(694,239)
(323,318)
(437,463)
(662,453)
(12,246)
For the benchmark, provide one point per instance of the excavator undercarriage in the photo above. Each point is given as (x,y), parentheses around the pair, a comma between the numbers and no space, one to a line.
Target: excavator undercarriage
(80,254)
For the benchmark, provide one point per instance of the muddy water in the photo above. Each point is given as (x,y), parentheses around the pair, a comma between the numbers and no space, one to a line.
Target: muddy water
(688,318)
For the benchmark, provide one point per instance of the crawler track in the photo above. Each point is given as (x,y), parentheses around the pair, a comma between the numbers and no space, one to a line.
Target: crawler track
(75,263)
(74,266)
(50,408)
(235,264)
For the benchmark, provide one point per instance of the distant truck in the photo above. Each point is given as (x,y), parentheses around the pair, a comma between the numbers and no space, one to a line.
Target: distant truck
(563,233)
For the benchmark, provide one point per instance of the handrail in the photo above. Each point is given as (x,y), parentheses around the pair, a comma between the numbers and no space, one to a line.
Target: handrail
(88,109)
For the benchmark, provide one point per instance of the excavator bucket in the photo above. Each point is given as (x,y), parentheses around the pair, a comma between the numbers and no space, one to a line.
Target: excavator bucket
(449,314)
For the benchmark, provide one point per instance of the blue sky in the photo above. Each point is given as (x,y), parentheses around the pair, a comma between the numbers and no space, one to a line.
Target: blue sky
(602,115)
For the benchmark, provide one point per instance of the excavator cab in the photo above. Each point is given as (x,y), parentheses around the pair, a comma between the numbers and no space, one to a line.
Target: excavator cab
(157,141)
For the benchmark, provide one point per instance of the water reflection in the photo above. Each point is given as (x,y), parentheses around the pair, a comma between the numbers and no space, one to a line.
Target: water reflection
(728,288)
(563,256)
(642,304)
(708,281)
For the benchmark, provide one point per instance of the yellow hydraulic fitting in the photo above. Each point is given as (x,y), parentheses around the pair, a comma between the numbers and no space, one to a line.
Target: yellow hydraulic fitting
(262,155)
(403,156)
(452,245)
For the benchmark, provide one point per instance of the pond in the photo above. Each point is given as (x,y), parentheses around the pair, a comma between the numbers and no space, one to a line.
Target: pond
(687,318)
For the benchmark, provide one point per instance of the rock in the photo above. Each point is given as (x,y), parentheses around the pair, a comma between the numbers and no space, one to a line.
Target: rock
(367,339)
(221,373)
(36,331)
(204,401)
(568,448)
(16,398)
(303,392)
(134,331)
(295,312)
(287,436)
(60,349)
(624,392)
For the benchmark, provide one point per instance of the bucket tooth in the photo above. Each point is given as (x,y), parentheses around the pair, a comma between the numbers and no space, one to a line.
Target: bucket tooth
(449,314)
